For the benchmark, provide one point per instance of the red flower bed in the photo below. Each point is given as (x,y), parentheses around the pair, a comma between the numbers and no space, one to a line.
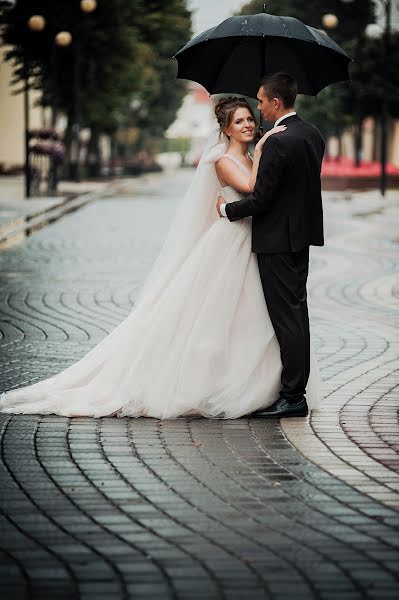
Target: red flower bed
(345,167)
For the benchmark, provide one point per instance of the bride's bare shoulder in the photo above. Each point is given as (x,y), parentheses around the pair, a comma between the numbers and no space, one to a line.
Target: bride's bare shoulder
(225,164)
(223,169)
(230,173)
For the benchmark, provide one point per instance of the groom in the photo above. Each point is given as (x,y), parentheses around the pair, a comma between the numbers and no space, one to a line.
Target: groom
(287,216)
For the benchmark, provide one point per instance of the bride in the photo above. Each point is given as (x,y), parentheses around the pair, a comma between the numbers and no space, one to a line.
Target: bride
(199,340)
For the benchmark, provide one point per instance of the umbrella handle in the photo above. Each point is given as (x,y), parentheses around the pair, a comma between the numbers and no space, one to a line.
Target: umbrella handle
(258,136)
(261,122)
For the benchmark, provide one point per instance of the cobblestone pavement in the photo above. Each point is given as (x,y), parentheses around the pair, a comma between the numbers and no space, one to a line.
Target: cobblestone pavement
(194,508)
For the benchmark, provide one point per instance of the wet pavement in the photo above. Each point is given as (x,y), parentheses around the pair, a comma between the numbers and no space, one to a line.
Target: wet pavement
(193,508)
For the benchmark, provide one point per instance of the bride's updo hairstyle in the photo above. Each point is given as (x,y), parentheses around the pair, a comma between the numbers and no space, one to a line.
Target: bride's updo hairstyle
(225,109)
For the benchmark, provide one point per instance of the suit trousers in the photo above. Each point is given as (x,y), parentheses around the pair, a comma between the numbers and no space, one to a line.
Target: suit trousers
(284,276)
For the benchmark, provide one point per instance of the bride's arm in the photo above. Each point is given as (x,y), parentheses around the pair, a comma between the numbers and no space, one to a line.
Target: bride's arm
(228,172)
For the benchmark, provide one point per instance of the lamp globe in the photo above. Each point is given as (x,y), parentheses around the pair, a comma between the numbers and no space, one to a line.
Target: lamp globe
(36,23)
(63,38)
(330,21)
(88,6)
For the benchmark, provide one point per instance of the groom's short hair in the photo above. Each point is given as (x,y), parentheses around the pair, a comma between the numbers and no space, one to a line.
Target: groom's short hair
(280,85)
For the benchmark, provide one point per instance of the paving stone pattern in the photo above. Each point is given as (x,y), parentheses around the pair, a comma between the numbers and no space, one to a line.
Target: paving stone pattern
(193,508)
(355,435)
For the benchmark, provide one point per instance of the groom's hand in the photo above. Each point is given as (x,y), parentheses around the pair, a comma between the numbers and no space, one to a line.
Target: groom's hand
(219,202)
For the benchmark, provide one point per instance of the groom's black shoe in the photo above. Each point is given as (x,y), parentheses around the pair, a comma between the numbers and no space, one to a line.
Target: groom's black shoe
(282,408)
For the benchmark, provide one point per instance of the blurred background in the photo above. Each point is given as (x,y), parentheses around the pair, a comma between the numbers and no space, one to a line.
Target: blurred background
(88,89)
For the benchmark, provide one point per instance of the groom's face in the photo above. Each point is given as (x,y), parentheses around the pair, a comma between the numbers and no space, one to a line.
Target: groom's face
(267,107)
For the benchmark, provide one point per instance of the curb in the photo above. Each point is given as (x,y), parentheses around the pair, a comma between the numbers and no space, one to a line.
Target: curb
(20,228)
(343,183)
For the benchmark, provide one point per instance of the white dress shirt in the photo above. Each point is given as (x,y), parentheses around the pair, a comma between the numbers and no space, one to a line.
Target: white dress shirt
(291,114)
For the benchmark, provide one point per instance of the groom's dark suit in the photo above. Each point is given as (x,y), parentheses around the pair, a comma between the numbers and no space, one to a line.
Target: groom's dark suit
(287,213)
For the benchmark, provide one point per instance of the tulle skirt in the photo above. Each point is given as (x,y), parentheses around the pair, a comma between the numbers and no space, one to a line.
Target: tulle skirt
(201,344)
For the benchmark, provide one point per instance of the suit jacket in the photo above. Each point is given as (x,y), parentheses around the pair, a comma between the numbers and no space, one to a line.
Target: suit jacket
(286,203)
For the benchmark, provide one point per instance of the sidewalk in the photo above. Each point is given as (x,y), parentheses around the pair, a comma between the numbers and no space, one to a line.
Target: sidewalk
(19,216)
(354,294)
(197,509)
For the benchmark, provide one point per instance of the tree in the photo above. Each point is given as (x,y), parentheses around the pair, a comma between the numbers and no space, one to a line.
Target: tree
(341,104)
(353,16)
(367,77)
(120,53)
(166,28)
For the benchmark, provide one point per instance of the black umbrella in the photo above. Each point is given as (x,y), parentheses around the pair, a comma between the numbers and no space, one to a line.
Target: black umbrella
(235,55)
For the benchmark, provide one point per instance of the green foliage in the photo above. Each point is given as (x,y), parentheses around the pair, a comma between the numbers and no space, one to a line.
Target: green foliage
(345,103)
(352,16)
(125,49)
(348,103)
(369,73)
(328,110)
(181,145)
(166,28)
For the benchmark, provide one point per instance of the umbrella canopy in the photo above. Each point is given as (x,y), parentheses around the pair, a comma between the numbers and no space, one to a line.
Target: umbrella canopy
(235,55)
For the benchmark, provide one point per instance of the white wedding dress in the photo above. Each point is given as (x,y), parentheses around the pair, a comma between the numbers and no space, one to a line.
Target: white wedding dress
(198,341)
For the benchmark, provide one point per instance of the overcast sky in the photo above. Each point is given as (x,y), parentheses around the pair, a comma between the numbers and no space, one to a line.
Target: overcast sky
(207,13)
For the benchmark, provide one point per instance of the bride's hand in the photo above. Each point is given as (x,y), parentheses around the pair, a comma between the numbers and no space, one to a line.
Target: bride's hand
(220,201)
(261,143)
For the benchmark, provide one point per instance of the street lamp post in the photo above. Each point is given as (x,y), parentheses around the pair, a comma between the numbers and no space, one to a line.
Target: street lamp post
(385,111)
(64,39)
(87,7)
(27,130)
(374,31)
(36,23)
